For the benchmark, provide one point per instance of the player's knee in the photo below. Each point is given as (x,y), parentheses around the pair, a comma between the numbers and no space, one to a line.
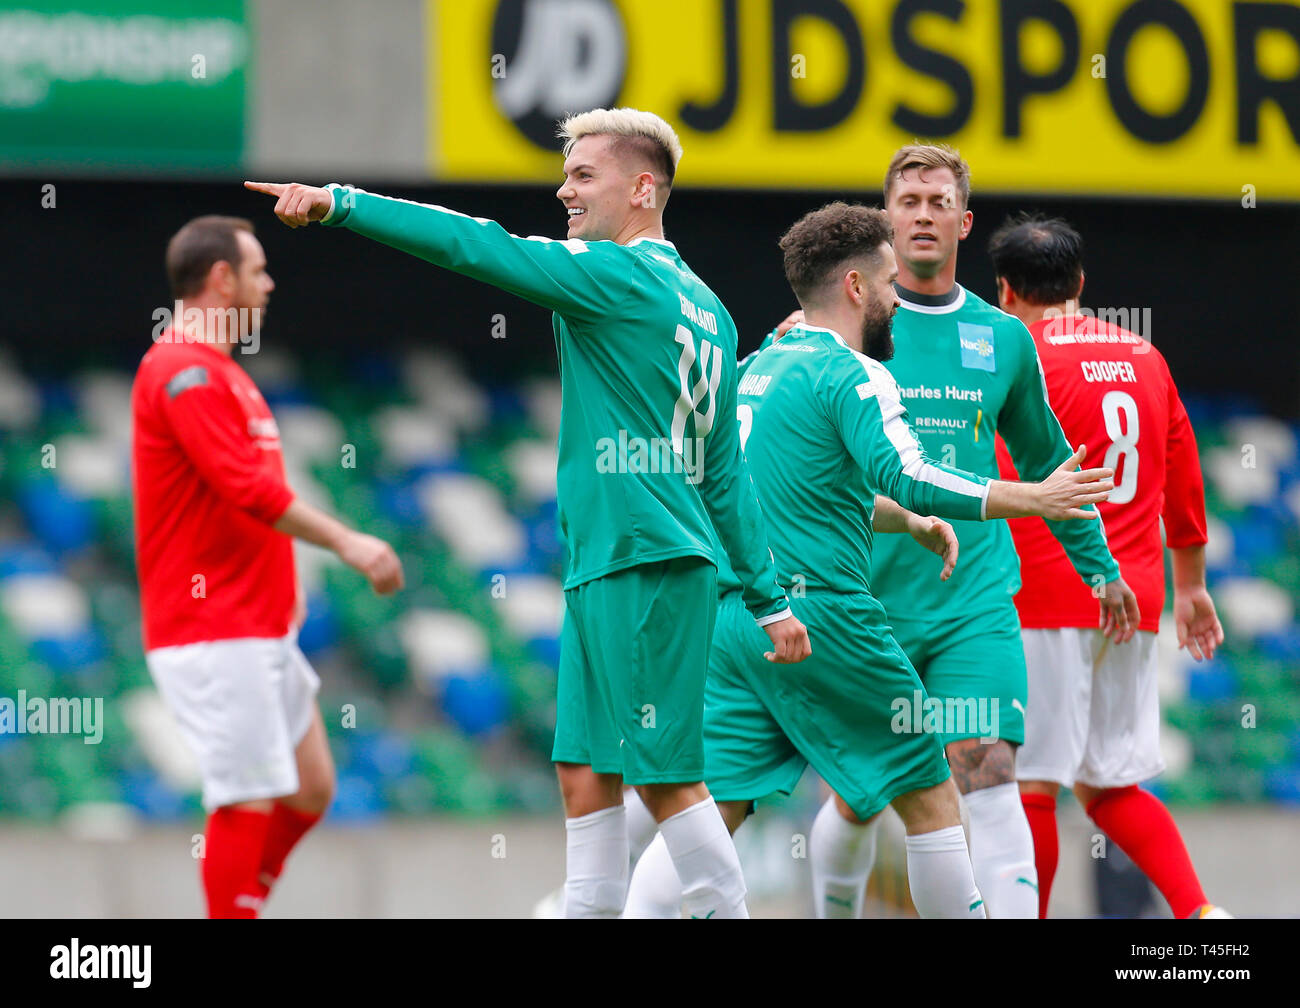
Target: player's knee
(664,800)
(928,809)
(316,794)
(1089,796)
(584,791)
(977,764)
(734,813)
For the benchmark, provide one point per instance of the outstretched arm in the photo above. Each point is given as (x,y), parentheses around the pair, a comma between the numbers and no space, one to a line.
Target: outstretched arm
(582,281)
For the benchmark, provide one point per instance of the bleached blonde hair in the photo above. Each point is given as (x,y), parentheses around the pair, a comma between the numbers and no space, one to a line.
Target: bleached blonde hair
(632,130)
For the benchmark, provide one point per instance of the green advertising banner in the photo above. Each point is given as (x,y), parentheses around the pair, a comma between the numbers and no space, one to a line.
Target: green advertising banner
(123,85)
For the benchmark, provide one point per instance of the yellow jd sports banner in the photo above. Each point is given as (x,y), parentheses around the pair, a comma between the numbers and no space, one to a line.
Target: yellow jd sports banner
(1145,97)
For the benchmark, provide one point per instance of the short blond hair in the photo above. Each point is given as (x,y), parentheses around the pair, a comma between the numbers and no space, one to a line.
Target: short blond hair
(929,156)
(632,131)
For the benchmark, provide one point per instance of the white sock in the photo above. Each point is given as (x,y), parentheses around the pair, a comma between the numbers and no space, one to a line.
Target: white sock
(595,881)
(655,892)
(706,861)
(641,825)
(841,854)
(939,874)
(1002,851)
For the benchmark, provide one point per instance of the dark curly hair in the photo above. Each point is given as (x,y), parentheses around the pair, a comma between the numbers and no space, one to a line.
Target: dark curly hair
(825,241)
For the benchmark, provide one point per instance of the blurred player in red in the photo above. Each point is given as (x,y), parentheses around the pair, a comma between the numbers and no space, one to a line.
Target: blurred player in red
(1093,717)
(214,523)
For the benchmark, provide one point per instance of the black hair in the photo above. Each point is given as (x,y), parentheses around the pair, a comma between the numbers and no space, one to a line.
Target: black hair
(1040,257)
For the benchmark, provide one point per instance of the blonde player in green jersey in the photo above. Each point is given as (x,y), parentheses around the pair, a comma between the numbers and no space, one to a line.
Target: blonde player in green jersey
(822,395)
(649,464)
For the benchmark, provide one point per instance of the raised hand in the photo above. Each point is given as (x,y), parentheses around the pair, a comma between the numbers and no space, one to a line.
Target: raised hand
(1064,493)
(296,204)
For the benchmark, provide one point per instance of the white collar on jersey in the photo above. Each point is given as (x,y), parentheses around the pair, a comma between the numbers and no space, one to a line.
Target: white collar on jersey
(816,328)
(947,309)
(657,241)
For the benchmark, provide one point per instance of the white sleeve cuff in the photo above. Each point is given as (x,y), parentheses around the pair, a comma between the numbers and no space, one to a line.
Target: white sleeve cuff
(330,212)
(984,501)
(775,617)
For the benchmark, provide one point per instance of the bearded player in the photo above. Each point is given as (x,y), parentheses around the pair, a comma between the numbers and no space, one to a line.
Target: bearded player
(1094,721)
(967,371)
(822,395)
(214,527)
(647,357)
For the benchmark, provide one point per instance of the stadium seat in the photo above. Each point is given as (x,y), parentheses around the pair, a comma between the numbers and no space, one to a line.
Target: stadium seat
(461,478)
(1253,606)
(440,644)
(476,702)
(1212,681)
(63,521)
(469,514)
(159,741)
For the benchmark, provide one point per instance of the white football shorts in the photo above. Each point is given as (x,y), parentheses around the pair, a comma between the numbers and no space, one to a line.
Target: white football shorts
(243,706)
(1093,714)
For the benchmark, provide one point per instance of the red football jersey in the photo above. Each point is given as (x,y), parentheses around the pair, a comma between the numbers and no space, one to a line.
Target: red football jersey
(209,484)
(1112,391)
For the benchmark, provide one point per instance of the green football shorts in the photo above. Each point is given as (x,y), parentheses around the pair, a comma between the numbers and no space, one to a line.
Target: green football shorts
(633,656)
(838,710)
(975,667)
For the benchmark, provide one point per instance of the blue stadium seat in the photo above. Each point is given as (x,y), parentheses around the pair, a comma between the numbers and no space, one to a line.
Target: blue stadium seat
(382,755)
(70,653)
(1282,784)
(153,797)
(398,502)
(357,799)
(62,521)
(547,649)
(1212,681)
(1256,536)
(24,557)
(477,704)
(1283,645)
(321,630)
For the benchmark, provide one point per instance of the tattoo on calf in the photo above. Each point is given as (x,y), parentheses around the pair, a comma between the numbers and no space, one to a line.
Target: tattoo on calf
(977,765)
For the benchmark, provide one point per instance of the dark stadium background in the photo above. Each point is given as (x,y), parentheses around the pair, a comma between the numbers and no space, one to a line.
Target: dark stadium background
(84,278)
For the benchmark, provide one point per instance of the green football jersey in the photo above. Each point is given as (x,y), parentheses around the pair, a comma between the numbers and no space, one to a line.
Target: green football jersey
(727,580)
(649,447)
(968,371)
(824,432)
